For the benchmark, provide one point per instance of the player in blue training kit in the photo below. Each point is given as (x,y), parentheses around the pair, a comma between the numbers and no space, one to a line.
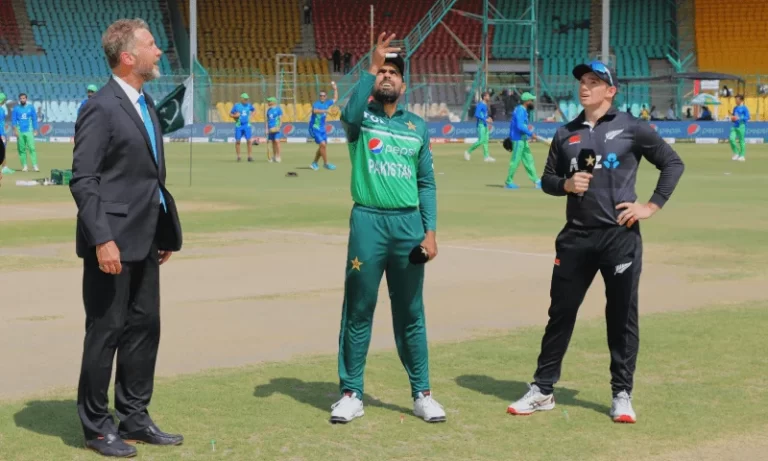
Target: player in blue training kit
(317,127)
(90,90)
(483,132)
(739,118)
(273,128)
(241,112)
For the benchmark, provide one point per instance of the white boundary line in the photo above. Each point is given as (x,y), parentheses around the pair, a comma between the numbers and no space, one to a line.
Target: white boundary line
(453,247)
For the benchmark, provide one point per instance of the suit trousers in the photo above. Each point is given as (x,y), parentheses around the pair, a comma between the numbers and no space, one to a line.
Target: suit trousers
(617,253)
(122,316)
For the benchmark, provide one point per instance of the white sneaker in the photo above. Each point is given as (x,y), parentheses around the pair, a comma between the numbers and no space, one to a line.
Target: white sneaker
(489,159)
(25,169)
(742,159)
(621,409)
(427,408)
(466,156)
(35,168)
(346,409)
(735,157)
(531,402)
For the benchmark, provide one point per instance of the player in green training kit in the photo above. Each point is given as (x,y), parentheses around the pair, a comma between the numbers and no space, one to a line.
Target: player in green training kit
(24,122)
(395,211)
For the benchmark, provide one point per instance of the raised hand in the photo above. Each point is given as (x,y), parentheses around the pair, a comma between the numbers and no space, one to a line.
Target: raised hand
(379,54)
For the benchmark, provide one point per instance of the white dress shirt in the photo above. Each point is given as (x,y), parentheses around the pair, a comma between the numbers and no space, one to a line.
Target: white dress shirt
(133,95)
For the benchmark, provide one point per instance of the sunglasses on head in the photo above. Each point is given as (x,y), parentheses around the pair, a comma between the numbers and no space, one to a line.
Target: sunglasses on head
(601,70)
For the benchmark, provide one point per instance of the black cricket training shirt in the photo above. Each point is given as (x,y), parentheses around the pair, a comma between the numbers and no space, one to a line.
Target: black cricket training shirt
(618,140)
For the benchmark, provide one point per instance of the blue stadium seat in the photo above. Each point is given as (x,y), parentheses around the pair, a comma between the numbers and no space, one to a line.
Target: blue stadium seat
(71,39)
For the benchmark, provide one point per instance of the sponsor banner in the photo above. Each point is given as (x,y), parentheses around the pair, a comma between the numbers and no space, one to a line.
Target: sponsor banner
(297,140)
(438,131)
(670,140)
(754,140)
(706,140)
(61,139)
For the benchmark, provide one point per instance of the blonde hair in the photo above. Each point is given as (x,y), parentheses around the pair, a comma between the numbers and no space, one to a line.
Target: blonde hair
(120,37)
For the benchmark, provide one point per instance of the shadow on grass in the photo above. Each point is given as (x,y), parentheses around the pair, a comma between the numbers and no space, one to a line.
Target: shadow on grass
(316,394)
(56,418)
(510,391)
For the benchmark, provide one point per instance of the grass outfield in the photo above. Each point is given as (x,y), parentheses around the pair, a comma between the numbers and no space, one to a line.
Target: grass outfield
(715,220)
(701,374)
(695,383)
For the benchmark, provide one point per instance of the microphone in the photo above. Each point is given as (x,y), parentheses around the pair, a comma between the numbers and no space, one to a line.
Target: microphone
(418,255)
(586,163)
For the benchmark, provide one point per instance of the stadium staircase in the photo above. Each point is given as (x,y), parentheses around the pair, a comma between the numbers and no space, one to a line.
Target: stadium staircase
(171,52)
(306,47)
(595,27)
(686,32)
(240,59)
(732,40)
(17,34)
(10,34)
(64,53)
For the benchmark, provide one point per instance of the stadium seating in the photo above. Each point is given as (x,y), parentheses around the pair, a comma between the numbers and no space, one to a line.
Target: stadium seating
(733,40)
(224,42)
(241,59)
(563,34)
(640,31)
(563,42)
(10,37)
(344,24)
(69,32)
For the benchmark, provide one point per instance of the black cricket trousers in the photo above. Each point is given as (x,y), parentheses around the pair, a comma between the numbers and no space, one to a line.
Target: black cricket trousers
(581,252)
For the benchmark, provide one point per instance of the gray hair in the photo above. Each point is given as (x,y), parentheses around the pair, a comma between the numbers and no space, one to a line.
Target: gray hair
(119,37)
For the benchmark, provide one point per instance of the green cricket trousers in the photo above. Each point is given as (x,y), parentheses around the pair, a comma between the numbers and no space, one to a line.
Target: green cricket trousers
(737,140)
(482,140)
(27,140)
(521,151)
(379,242)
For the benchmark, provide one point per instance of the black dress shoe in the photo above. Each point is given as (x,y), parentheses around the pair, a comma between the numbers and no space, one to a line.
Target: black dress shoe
(111,445)
(153,436)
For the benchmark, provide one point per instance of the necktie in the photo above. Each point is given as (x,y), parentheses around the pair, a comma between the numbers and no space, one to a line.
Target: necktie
(151,131)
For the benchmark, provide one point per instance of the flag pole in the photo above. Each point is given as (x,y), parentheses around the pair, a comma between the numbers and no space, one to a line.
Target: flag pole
(192,60)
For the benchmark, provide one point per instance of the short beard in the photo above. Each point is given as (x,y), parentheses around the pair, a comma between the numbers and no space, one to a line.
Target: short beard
(385,96)
(150,75)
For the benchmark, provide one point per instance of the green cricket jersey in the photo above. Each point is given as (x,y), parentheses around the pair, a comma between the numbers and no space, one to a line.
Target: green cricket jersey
(391,158)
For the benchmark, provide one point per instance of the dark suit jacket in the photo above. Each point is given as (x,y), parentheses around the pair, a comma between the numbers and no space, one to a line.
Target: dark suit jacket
(115,179)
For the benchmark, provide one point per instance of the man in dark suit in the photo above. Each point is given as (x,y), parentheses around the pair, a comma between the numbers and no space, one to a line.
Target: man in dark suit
(2,156)
(127,226)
